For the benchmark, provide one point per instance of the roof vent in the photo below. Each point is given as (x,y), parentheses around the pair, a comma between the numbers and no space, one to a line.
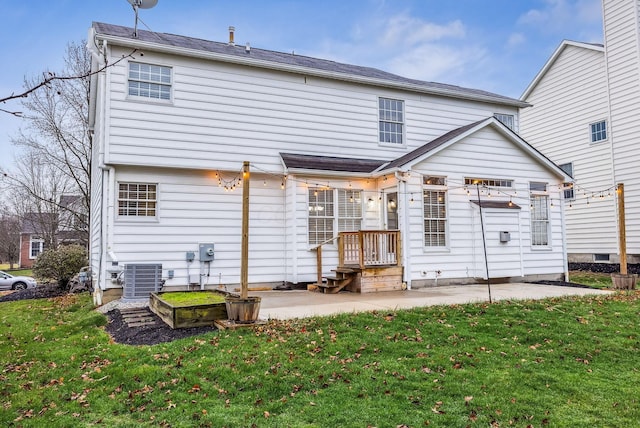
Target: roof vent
(247,48)
(231,32)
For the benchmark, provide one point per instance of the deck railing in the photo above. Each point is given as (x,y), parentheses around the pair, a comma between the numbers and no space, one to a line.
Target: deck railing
(366,248)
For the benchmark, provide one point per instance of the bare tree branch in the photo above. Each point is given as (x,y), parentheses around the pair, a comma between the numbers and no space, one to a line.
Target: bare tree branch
(49,77)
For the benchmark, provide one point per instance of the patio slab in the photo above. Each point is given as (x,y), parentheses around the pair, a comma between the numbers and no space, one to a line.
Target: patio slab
(282,305)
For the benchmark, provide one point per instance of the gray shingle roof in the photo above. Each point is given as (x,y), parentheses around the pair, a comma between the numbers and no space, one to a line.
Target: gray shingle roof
(329,163)
(300,61)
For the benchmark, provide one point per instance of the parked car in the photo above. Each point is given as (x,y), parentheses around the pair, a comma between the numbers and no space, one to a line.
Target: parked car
(10,282)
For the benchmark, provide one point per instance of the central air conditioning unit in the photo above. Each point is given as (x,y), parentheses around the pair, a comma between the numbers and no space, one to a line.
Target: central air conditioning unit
(140,280)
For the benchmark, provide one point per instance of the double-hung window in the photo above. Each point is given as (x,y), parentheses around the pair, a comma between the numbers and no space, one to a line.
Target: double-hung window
(333,210)
(391,121)
(539,214)
(149,81)
(507,119)
(435,211)
(569,194)
(598,131)
(36,247)
(137,200)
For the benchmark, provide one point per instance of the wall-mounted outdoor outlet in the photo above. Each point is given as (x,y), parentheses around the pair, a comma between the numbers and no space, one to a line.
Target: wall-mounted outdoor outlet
(191,256)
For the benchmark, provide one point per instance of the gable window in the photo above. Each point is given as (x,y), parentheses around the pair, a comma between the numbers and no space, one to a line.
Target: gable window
(539,214)
(569,194)
(435,211)
(507,120)
(36,247)
(333,210)
(149,81)
(598,131)
(391,115)
(137,199)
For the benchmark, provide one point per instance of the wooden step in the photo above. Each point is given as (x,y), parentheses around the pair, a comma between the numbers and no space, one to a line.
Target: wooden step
(343,270)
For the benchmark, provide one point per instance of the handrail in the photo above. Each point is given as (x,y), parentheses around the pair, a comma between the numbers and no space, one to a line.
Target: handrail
(324,242)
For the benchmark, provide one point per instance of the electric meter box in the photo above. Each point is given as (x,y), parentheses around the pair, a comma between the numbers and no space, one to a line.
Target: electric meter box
(207,252)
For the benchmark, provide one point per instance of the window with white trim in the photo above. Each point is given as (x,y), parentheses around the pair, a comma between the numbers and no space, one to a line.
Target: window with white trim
(149,81)
(36,247)
(507,120)
(391,125)
(488,182)
(435,211)
(569,194)
(539,214)
(333,210)
(598,131)
(137,199)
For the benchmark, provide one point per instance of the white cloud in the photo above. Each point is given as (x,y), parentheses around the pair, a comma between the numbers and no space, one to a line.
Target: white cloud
(557,16)
(408,46)
(406,29)
(516,39)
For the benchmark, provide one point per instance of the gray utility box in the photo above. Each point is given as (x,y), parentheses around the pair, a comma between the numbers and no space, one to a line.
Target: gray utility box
(505,236)
(207,252)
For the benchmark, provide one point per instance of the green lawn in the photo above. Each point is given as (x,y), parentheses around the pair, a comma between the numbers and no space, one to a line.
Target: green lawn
(592,279)
(570,362)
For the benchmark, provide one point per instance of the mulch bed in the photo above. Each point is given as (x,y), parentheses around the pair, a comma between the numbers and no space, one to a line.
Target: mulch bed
(151,334)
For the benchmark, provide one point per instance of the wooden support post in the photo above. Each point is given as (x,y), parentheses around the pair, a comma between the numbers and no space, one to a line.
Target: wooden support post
(244,262)
(319,264)
(361,248)
(622,232)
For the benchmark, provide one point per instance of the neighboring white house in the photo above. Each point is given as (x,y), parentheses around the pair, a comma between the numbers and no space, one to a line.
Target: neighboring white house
(585,119)
(332,147)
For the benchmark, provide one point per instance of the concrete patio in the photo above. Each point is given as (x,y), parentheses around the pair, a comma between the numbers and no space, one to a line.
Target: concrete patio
(300,303)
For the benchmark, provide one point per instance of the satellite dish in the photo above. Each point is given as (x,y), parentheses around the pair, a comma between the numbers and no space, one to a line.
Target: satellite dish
(143,4)
(140,4)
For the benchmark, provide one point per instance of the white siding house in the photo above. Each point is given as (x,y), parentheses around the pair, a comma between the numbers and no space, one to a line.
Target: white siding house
(332,147)
(584,117)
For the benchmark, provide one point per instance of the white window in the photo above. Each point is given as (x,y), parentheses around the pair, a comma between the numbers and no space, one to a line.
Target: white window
(391,115)
(598,131)
(36,247)
(539,214)
(507,119)
(488,182)
(569,194)
(435,211)
(333,210)
(137,199)
(149,81)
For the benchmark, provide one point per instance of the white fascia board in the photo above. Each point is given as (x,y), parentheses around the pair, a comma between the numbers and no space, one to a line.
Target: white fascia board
(552,59)
(141,45)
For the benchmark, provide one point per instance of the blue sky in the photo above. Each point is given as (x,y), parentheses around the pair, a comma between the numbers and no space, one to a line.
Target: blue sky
(494,45)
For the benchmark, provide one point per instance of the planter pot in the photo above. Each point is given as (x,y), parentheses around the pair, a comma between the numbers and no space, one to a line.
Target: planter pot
(623,281)
(243,311)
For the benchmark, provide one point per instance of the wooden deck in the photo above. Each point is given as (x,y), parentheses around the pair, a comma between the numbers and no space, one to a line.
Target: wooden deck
(369,261)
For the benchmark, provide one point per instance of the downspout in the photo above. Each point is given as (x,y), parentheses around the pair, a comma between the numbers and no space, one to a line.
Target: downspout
(404,218)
